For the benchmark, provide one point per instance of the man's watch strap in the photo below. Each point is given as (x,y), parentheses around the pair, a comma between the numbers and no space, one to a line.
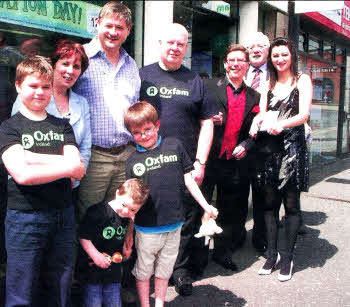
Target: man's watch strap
(201,162)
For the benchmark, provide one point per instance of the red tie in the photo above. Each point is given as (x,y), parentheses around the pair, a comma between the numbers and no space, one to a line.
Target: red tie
(256,79)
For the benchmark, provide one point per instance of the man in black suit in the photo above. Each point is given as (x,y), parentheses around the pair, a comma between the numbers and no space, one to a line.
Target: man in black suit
(228,166)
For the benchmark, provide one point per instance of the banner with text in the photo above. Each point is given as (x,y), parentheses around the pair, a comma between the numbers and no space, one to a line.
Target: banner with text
(70,17)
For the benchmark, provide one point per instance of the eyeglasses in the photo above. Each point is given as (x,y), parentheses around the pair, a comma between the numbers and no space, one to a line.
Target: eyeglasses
(258,46)
(139,134)
(239,61)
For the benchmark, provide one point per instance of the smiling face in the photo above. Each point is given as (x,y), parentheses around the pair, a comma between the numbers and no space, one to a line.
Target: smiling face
(67,70)
(35,92)
(146,135)
(281,58)
(236,65)
(112,32)
(258,53)
(125,206)
(173,46)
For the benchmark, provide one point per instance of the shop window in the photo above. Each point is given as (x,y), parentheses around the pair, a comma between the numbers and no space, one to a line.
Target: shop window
(212,26)
(314,46)
(339,55)
(302,45)
(323,90)
(328,51)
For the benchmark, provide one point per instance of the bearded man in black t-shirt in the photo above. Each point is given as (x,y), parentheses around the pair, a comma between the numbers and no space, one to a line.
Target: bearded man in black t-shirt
(181,99)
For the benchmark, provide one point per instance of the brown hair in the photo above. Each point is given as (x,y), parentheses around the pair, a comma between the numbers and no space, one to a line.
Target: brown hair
(34,65)
(67,48)
(236,47)
(141,112)
(118,9)
(136,189)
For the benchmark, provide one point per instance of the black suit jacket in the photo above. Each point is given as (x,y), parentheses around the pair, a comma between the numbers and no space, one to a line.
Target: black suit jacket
(217,88)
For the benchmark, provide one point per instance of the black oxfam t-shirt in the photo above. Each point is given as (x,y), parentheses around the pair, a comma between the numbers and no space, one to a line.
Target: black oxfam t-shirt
(181,99)
(47,136)
(106,230)
(162,169)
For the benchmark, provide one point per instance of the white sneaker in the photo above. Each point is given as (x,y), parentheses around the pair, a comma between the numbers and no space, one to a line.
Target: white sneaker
(269,265)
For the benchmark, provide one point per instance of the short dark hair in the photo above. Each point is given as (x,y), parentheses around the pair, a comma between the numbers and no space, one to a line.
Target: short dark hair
(67,48)
(136,189)
(236,47)
(34,65)
(139,113)
(282,41)
(117,9)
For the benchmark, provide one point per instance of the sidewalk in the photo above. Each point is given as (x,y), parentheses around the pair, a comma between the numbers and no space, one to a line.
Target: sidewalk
(321,272)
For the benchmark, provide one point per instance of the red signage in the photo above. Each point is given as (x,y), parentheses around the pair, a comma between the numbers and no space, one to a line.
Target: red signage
(337,20)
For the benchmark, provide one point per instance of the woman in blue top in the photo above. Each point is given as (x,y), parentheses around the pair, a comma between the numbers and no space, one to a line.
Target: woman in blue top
(69,62)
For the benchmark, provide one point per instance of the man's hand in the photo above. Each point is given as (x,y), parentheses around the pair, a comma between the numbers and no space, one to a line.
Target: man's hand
(198,172)
(101,260)
(239,152)
(218,119)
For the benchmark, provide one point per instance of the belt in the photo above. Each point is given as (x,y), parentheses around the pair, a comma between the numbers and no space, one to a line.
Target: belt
(113,150)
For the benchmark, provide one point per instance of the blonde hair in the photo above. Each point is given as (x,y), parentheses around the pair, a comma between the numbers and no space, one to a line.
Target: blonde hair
(140,113)
(136,189)
(34,65)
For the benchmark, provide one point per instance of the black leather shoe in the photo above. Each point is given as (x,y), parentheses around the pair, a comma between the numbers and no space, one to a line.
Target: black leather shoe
(225,261)
(183,285)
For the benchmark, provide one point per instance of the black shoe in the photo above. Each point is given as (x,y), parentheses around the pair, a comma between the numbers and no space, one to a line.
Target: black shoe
(183,285)
(196,272)
(225,261)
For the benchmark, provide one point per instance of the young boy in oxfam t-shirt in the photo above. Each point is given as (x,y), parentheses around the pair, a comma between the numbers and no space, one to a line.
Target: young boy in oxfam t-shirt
(165,167)
(40,153)
(106,237)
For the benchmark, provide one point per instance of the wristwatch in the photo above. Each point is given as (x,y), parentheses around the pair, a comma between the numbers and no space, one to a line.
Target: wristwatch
(201,162)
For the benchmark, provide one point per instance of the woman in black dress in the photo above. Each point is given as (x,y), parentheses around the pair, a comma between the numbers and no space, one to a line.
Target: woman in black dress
(283,169)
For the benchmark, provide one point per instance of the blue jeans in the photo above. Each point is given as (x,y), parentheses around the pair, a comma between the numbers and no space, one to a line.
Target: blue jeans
(107,295)
(40,247)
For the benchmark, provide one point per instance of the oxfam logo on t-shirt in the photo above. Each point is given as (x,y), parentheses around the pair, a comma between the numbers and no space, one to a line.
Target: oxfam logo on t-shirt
(139,169)
(152,91)
(27,141)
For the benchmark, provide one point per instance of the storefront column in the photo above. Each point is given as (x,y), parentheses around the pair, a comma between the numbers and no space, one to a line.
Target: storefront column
(157,14)
(248,20)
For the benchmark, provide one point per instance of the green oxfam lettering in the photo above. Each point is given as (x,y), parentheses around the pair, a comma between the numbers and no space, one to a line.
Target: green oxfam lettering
(67,10)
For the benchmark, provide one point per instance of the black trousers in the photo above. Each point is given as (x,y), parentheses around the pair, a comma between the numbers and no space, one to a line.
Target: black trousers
(232,182)
(3,209)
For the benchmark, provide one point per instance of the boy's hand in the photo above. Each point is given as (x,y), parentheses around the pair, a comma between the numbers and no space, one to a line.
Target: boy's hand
(198,173)
(101,260)
(78,171)
(210,211)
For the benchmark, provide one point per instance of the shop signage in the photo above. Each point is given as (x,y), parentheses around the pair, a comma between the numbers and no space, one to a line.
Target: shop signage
(323,69)
(220,7)
(76,18)
(336,20)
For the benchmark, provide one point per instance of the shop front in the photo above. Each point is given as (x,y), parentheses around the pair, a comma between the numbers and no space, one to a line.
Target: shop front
(323,47)
(212,25)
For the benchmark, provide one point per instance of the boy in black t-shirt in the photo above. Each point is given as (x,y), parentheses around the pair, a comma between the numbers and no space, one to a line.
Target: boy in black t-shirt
(40,153)
(165,167)
(102,234)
